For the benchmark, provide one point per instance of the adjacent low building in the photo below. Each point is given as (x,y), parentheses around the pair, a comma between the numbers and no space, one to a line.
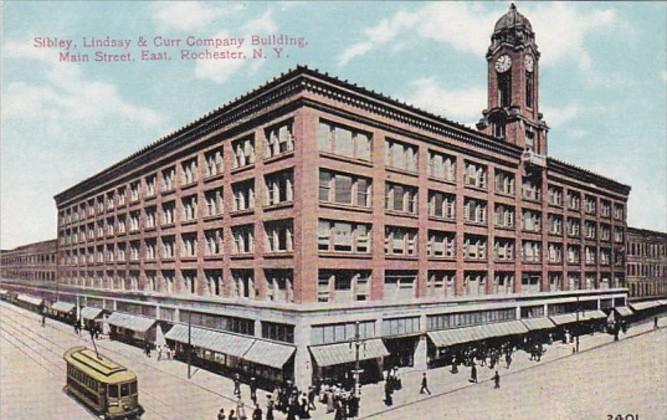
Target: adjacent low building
(646,264)
(35,262)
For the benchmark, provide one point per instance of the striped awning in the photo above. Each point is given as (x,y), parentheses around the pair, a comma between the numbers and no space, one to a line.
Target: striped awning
(33,300)
(217,341)
(623,310)
(340,353)
(268,353)
(131,322)
(64,307)
(536,324)
(445,338)
(90,312)
(649,304)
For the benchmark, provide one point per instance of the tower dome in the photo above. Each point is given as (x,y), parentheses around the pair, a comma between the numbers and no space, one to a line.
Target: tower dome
(512,19)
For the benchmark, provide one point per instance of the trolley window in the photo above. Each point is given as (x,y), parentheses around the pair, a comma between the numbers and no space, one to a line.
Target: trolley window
(124,390)
(113,391)
(133,388)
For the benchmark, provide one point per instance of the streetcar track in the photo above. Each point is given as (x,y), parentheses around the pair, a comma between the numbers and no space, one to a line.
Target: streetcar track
(59,345)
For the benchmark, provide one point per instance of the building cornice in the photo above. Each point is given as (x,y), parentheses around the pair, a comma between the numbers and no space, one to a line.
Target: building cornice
(584,175)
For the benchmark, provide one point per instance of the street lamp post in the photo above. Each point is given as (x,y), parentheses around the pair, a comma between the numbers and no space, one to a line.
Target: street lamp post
(577,338)
(189,341)
(357,343)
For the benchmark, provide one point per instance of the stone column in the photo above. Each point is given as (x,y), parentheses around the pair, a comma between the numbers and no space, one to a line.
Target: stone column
(421,350)
(303,365)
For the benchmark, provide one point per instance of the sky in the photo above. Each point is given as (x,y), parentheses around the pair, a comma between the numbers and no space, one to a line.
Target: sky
(603,87)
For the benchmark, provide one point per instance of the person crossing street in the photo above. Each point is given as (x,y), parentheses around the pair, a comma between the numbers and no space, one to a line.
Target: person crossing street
(424,387)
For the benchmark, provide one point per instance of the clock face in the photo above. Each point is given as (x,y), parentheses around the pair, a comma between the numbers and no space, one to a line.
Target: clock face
(528,62)
(503,63)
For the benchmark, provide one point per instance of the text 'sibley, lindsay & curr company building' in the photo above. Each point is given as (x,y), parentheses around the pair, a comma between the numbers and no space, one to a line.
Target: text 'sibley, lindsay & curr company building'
(281,219)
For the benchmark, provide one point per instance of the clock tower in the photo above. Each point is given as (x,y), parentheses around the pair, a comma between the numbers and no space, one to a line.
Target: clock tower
(512,112)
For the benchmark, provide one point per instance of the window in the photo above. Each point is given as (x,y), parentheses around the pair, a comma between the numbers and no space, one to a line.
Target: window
(555,253)
(189,171)
(168,178)
(573,200)
(474,247)
(214,242)
(134,192)
(243,152)
(555,224)
(503,282)
(400,241)
(605,232)
(279,285)
(109,257)
(343,285)
(121,224)
(214,202)
(215,163)
(590,204)
(474,283)
(189,245)
(504,216)
(278,332)
(168,281)
(442,166)
(278,140)
(333,333)
(504,183)
(555,196)
(531,221)
(134,221)
(605,208)
(121,197)
(529,89)
(150,217)
(531,189)
(400,198)
(338,236)
(474,211)
(342,141)
(589,255)
(167,247)
(475,175)
(345,189)
(134,251)
(555,282)
(401,155)
(189,205)
(398,326)
(618,235)
(590,229)
(244,195)
(151,249)
(151,186)
(279,236)
(244,241)
(440,283)
(504,88)
(441,205)
(399,284)
(189,280)
(213,282)
(605,256)
(243,284)
(503,249)
(573,254)
(530,282)
(532,251)
(619,211)
(279,188)
(573,227)
(441,244)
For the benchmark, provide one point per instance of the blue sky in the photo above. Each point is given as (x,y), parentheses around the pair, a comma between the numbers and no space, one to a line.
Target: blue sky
(603,83)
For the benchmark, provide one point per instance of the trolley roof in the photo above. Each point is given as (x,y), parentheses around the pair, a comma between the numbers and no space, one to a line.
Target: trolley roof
(100,368)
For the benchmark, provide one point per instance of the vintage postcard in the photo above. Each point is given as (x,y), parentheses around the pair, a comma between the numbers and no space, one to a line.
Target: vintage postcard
(295,209)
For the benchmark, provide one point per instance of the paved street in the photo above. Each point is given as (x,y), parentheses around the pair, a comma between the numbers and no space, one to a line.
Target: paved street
(36,352)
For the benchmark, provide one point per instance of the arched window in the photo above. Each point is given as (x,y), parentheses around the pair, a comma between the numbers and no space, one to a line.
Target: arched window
(504,89)
(529,89)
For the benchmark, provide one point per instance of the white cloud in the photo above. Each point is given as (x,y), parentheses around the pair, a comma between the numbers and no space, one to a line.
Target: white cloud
(557,116)
(190,16)
(463,105)
(221,71)
(561,30)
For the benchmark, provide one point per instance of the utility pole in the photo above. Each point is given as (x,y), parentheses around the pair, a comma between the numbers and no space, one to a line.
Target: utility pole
(577,338)
(189,341)
(357,371)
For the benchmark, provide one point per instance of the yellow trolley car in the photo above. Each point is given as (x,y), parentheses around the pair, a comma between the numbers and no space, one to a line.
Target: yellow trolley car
(103,385)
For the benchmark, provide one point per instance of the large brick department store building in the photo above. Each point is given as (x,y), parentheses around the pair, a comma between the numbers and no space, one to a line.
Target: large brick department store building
(312,209)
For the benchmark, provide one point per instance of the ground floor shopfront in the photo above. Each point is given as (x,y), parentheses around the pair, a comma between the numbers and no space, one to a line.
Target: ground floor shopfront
(313,344)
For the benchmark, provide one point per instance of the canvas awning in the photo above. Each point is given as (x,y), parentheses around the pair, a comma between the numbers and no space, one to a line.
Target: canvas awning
(268,353)
(340,353)
(563,319)
(139,324)
(90,312)
(217,341)
(623,310)
(573,317)
(649,304)
(536,324)
(64,307)
(446,338)
(590,315)
(30,299)
(3,292)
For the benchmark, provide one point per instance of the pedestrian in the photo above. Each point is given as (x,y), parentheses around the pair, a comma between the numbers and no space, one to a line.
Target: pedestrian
(496,380)
(221,414)
(232,416)
(257,413)
(655,322)
(473,373)
(508,360)
(269,407)
(159,352)
(240,408)
(237,384)
(424,387)
(311,398)
(147,349)
(253,390)
(387,393)
(43,319)
(304,409)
